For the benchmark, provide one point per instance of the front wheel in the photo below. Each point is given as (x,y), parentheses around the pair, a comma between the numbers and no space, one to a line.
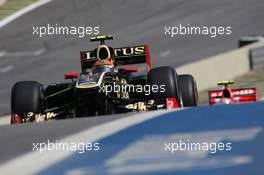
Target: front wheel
(25,98)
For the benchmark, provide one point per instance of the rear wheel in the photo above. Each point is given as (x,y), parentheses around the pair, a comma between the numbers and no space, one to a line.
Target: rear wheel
(25,98)
(164,77)
(188,89)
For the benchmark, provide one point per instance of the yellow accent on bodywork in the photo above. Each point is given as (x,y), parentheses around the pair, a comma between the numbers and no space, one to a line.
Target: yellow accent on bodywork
(225,82)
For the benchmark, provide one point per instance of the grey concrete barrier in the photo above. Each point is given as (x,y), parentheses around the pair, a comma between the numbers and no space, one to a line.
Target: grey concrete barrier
(226,66)
(246,40)
(256,57)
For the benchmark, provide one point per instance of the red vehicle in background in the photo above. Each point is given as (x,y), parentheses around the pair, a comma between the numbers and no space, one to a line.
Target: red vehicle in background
(232,96)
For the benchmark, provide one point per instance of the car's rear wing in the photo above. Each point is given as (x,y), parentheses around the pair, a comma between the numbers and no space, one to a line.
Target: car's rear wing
(243,95)
(123,56)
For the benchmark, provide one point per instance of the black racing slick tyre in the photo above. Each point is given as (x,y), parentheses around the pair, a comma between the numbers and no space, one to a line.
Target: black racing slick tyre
(188,90)
(26,97)
(165,77)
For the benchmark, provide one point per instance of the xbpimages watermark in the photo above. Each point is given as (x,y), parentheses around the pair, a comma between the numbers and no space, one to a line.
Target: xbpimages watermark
(184,30)
(79,31)
(187,145)
(129,88)
(56,145)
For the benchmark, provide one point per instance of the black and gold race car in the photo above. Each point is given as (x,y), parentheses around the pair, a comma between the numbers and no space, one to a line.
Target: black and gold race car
(106,85)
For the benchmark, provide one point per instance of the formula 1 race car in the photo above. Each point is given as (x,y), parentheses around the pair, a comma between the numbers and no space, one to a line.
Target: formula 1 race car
(104,86)
(231,96)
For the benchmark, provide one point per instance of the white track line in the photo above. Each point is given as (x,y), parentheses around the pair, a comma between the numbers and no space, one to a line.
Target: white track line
(40,161)
(22,54)
(22,12)
(165,53)
(6,68)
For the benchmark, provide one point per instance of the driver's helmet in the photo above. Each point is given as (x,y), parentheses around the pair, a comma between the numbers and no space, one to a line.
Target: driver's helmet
(105,62)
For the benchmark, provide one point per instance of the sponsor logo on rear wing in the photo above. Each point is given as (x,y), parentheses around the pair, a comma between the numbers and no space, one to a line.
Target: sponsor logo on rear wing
(122,56)
(235,92)
(239,95)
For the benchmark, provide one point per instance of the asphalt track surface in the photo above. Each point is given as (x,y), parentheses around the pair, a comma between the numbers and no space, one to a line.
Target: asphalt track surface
(132,23)
(140,148)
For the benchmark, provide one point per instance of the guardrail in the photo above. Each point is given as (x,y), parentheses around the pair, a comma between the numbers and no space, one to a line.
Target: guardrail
(256,57)
(220,67)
